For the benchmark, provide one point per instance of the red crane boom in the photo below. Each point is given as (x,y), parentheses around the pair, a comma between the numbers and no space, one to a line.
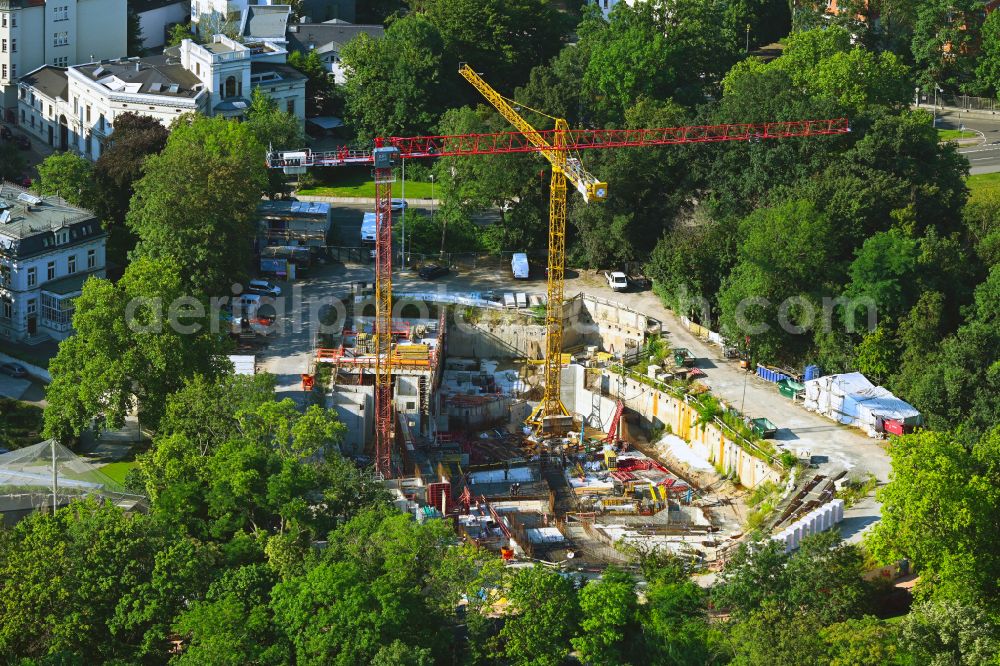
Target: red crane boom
(498,143)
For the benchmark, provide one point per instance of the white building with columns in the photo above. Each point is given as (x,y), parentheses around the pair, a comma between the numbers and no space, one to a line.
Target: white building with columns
(75,108)
(34,33)
(48,249)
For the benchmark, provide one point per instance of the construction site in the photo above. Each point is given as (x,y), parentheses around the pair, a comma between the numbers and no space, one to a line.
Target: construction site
(563,432)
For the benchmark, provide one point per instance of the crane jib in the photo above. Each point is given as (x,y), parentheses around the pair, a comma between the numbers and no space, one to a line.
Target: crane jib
(574,139)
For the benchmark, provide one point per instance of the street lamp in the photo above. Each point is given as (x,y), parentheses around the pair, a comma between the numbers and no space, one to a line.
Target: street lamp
(937,89)
(432,197)
(402,215)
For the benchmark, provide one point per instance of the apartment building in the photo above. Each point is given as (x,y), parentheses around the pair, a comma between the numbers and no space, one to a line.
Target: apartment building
(75,108)
(48,249)
(60,33)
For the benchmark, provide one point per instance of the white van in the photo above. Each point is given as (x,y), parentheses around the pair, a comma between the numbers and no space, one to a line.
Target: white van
(519,264)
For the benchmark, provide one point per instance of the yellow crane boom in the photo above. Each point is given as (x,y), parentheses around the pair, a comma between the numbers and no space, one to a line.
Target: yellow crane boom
(563,168)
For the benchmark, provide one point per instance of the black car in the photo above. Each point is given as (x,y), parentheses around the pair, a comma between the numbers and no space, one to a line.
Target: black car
(433,271)
(13,369)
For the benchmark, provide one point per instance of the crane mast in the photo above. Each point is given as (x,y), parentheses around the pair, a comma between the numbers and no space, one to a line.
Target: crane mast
(548,415)
(384,158)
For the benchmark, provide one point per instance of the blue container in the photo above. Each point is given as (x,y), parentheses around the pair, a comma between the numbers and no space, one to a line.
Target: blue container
(770,375)
(812,372)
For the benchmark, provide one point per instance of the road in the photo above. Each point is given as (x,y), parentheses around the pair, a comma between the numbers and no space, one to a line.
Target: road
(984,156)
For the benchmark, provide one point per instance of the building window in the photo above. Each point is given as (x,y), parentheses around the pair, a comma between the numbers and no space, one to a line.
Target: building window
(60,38)
(6,308)
(31,306)
(3,46)
(71,264)
(50,271)
(3,17)
(231,86)
(13,71)
(32,277)
(291,106)
(91,258)
(62,61)
(3,73)
(88,113)
(76,105)
(13,46)
(13,20)
(22,110)
(57,313)
(61,13)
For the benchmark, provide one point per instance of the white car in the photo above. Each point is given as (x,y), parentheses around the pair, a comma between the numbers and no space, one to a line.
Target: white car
(399,204)
(617,280)
(263,287)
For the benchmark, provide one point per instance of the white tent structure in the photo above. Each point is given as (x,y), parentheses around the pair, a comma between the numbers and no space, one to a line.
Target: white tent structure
(853,400)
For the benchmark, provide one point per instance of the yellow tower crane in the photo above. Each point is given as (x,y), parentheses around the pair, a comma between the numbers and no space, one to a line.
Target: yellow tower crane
(550,411)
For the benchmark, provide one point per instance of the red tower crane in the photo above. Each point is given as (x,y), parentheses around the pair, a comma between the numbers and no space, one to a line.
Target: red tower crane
(388,151)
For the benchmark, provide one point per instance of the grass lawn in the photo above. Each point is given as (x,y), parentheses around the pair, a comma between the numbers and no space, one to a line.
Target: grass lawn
(20,424)
(953,134)
(116,471)
(983,184)
(358,183)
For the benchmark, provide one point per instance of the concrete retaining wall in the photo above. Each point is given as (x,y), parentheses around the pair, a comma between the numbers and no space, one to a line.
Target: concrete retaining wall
(659,409)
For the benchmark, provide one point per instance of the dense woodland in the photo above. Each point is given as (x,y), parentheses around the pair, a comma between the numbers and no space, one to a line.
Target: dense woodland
(263,546)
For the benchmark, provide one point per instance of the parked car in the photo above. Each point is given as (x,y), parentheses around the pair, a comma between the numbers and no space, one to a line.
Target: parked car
(263,287)
(13,369)
(433,271)
(399,204)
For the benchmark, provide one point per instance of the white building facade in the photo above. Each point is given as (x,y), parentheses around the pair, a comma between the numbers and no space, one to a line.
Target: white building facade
(34,33)
(48,249)
(212,79)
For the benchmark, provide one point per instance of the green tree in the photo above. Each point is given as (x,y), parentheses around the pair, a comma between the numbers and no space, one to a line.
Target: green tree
(503,39)
(68,175)
(404,66)
(956,382)
(92,585)
(135,38)
(365,593)
(784,262)
(939,509)
(675,624)
(322,97)
(944,37)
(259,480)
(275,129)
(196,203)
(950,632)
(234,623)
(179,33)
(12,164)
(608,620)
(658,50)
(988,64)
(130,350)
(542,619)
(867,640)
(688,263)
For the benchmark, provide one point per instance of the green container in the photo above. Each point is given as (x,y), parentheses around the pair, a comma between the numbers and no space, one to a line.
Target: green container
(683,357)
(763,428)
(789,387)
